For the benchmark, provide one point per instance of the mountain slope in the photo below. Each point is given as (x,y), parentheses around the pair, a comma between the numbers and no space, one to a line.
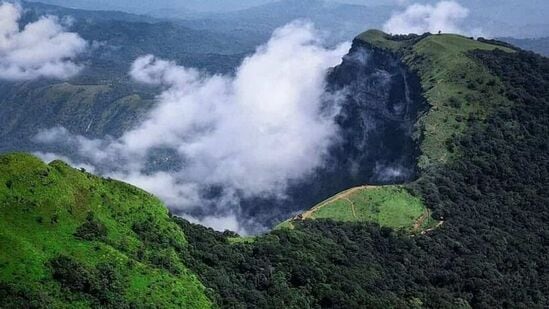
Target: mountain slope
(456,87)
(70,239)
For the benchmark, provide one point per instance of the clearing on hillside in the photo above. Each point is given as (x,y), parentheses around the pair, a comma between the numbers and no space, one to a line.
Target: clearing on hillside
(390,206)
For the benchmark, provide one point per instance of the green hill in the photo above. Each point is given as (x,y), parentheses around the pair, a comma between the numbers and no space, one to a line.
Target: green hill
(70,239)
(484,171)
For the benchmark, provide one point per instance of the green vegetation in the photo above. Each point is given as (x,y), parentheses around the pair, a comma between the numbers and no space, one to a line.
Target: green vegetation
(389,206)
(241,240)
(70,239)
(381,40)
(458,88)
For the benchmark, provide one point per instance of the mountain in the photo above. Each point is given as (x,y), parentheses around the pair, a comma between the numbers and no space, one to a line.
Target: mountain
(489,18)
(262,20)
(481,178)
(103,100)
(147,6)
(539,45)
(102,13)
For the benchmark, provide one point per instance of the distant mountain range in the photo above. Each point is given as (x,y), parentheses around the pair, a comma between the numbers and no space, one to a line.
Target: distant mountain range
(343,18)
(539,45)
(146,6)
(339,21)
(104,90)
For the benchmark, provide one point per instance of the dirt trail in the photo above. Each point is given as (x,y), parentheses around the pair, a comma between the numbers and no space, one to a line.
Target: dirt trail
(343,195)
(353,208)
(419,222)
(439,224)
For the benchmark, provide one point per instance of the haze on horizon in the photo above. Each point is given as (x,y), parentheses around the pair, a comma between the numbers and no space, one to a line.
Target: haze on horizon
(497,18)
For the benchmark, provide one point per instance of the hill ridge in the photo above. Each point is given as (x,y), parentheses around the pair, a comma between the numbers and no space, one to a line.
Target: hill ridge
(68,233)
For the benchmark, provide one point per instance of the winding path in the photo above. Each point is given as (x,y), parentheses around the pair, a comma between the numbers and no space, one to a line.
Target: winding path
(343,195)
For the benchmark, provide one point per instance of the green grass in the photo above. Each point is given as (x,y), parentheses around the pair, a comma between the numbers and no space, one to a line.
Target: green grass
(41,208)
(288,224)
(389,206)
(381,40)
(456,87)
(242,240)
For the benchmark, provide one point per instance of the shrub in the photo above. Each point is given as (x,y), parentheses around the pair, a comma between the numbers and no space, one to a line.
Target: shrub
(71,274)
(92,229)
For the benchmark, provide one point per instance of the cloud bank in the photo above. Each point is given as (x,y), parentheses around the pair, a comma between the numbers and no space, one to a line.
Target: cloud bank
(231,136)
(445,16)
(41,49)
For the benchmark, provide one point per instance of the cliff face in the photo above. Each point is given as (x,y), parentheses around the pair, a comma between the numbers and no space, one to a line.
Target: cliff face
(382,104)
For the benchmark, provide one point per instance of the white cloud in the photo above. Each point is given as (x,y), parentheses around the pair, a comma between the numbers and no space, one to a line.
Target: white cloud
(41,49)
(220,223)
(250,133)
(49,157)
(445,16)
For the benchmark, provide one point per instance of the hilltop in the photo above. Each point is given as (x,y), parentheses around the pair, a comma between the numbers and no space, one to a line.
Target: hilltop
(71,239)
(455,86)
(482,169)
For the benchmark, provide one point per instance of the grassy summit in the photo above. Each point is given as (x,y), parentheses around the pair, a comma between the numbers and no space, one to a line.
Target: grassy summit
(456,86)
(70,239)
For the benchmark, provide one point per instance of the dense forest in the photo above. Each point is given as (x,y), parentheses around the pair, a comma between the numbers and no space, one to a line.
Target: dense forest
(491,251)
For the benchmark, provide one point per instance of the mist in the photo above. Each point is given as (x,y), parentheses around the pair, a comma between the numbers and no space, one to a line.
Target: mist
(444,16)
(242,135)
(41,49)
